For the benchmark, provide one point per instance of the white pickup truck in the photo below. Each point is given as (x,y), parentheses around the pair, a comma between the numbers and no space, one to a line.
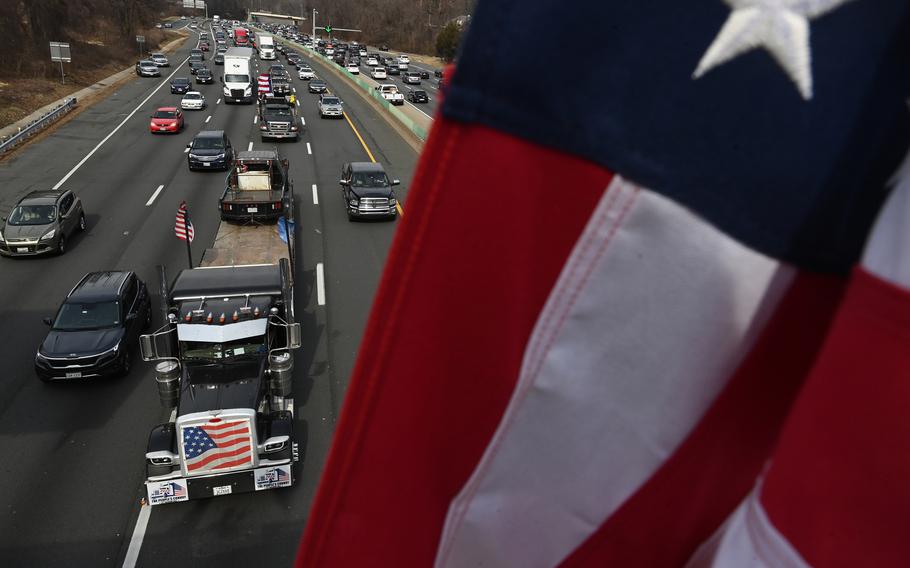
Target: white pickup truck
(390,93)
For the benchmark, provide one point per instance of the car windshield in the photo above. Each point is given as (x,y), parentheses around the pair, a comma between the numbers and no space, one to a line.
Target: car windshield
(317,84)
(200,350)
(181,81)
(330,101)
(236,78)
(203,72)
(191,96)
(33,215)
(420,93)
(157,56)
(77,315)
(165,114)
(208,143)
(148,64)
(369,179)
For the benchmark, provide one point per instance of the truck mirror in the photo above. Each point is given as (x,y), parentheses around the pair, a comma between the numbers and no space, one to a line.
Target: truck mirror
(343,182)
(396,182)
(189,144)
(293,335)
(147,347)
(48,321)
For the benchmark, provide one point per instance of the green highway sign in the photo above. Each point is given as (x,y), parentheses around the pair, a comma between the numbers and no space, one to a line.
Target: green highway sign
(328,29)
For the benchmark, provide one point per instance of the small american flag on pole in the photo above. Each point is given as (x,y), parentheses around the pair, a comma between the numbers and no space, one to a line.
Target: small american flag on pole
(184,226)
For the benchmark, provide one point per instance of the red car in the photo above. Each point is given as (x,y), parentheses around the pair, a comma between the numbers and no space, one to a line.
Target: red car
(204,46)
(167,119)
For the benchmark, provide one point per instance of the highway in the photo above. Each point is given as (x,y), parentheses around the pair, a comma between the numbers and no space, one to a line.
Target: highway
(71,481)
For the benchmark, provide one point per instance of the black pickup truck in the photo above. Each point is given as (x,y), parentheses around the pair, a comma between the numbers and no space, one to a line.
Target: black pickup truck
(278,118)
(258,188)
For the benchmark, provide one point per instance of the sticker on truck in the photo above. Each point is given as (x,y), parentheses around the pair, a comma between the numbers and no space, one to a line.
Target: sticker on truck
(271,477)
(171,491)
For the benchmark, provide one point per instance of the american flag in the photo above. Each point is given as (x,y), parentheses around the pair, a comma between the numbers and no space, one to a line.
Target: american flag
(264,84)
(169,490)
(218,444)
(183,225)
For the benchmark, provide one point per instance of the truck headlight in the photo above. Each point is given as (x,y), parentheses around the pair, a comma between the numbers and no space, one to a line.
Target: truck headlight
(248,91)
(392,203)
(263,127)
(49,235)
(226,91)
(355,202)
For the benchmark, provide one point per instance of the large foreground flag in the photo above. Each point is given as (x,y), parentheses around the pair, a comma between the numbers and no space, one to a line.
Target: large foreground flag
(595,366)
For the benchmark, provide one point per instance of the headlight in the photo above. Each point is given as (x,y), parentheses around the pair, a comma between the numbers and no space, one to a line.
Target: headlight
(49,235)
(40,357)
(355,202)
(1,236)
(221,156)
(392,203)
(248,91)
(227,92)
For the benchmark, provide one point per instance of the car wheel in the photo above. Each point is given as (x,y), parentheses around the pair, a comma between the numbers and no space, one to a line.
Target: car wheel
(61,245)
(82,222)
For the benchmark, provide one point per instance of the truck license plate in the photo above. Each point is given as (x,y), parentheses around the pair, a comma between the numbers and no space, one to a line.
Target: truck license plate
(206,164)
(21,249)
(223,490)
(252,210)
(74,375)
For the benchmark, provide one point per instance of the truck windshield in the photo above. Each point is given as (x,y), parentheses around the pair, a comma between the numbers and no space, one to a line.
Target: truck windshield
(372,179)
(76,315)
(236,78)
(201,351)
(33,215)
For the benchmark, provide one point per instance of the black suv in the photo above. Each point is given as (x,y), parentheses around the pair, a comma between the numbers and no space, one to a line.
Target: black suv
(417,96)
(96,329)
(209,150)
(204,76)
(180,86)
(367,191)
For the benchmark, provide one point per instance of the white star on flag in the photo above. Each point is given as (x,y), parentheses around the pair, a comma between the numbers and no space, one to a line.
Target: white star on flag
(779,26)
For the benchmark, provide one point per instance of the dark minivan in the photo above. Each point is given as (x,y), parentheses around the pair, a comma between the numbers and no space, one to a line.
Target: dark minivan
(367,191)
(96,329)
(210,150)
(180,86)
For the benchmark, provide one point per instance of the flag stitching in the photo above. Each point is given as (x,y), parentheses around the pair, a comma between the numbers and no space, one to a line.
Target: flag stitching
(559,317)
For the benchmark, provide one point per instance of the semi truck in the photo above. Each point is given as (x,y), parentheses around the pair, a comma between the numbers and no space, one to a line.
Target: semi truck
(278,118)
(223,366)
(237,78)
(258,188)
(266,45)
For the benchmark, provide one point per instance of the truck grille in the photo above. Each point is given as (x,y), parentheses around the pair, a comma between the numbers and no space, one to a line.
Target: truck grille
(217,444)
(373,203)
(279,126)
(237,93)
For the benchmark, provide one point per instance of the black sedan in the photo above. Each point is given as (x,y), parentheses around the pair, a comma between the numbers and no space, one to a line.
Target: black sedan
(417,96)
(205,76)
(316,86)
(96,329)
(180,86)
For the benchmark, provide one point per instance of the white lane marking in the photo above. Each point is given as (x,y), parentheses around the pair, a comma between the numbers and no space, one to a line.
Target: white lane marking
(154,195)
(309,150)
(418,110)
(250,147)
(303,121)
(294,90)
(132,553)
(320,284)
(208,119)
(298,103)
(315,195)
(218,102)
(118,127)
(255,119)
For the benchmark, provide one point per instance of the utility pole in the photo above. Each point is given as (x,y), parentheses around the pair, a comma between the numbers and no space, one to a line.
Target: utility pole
(314,26)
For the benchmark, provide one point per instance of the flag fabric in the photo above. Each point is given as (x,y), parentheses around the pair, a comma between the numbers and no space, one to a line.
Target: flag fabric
(598,366)
(183,227)
(265,84)
(217,445)
(283,226)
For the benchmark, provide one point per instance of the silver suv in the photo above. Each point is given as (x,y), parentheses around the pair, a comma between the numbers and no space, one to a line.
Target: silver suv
(330,105)
(147,69)
(41,223)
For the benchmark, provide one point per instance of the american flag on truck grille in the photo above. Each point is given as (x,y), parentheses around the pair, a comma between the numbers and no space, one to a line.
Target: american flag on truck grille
(217,444)
(183,225)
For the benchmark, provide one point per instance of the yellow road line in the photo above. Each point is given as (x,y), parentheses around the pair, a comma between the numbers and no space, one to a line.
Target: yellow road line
(370,154)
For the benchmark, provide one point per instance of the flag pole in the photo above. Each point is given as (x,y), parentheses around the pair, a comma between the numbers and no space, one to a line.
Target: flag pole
(186,228)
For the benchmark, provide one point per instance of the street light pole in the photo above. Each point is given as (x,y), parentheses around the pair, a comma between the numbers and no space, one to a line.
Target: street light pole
(314,24)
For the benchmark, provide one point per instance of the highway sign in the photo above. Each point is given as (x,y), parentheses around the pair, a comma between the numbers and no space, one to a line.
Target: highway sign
(140,39)
(328,29)
(60,52)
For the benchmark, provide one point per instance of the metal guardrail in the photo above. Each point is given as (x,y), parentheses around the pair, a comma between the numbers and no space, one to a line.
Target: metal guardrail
(10,142)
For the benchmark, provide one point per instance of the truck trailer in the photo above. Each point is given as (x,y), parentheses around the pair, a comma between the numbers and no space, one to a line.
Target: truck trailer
(223,364)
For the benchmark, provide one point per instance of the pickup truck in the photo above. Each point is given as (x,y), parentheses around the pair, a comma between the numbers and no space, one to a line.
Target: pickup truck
(278,118)
(390,93)
(258,189)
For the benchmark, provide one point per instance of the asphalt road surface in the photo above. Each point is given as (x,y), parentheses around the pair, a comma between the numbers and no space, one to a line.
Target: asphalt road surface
(71,479)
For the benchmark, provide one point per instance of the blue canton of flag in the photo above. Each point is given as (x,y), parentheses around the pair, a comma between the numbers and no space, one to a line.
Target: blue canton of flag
(196,441)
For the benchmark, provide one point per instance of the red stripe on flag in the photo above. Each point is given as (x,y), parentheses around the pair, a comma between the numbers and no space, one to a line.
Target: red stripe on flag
(229,433)
(528,207)
(218,426)
(838,486)
(216,456)
(225,465)
(715,468)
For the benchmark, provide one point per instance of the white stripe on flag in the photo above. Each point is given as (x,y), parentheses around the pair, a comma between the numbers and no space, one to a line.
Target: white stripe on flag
(652,313)
(748,540)
(885,254)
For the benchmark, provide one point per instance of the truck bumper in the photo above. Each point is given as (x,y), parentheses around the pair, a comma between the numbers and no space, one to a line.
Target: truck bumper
(265,214)
(164,489)
(280,134)
(229,99)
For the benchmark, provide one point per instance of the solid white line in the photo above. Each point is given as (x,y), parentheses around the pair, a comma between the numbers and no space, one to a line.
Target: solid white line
(132,553)
(255,119)
(154,195)
(250,147)
(418,110)
(320,284)
(208,119)
(315,195)
(218,102)
(309,150)
(294,90)
(114,131)
(302,121)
